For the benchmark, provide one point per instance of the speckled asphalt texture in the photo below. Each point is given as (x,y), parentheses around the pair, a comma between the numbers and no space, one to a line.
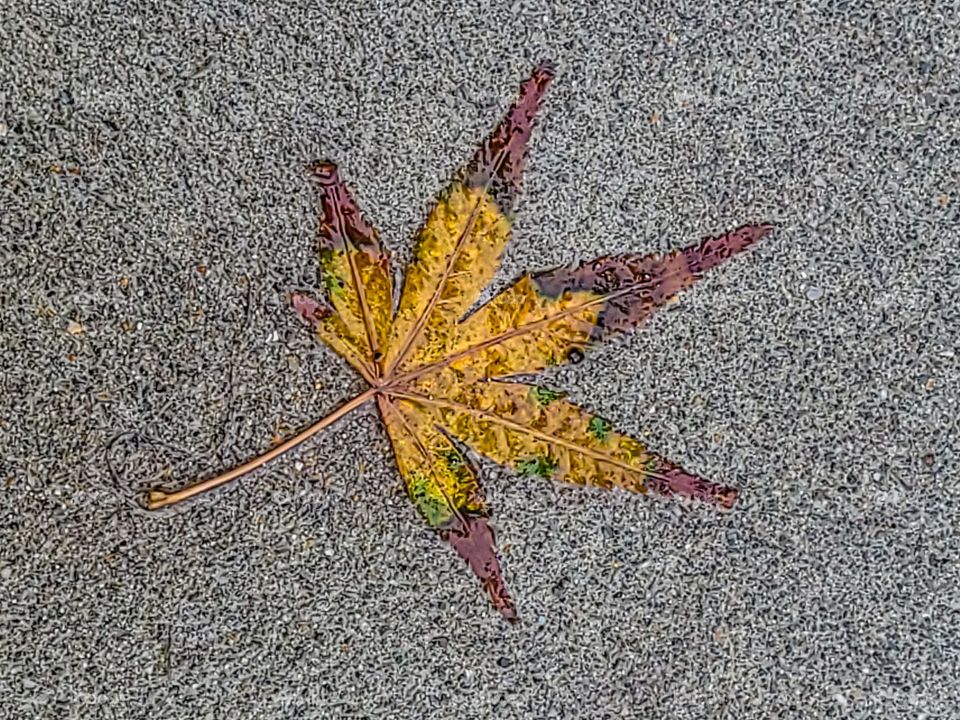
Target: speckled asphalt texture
(154,214)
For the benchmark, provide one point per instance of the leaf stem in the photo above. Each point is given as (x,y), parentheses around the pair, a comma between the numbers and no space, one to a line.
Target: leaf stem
(157,499)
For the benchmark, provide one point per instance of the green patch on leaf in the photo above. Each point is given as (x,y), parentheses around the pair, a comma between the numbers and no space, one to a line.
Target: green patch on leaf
(599,428)
(544,396)
(457,465)
(464,493)
(429,499)
(541,466)
(453,458)
(651,465)
(332,283)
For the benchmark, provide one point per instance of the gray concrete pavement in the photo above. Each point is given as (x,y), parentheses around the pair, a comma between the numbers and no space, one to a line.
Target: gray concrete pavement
(155,212)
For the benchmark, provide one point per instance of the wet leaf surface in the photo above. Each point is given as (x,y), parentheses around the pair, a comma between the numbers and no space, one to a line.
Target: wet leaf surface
(440,378)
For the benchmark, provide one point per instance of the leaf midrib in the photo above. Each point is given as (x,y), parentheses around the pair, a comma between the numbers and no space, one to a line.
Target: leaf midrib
(414,332)
(519,427)
(402,380)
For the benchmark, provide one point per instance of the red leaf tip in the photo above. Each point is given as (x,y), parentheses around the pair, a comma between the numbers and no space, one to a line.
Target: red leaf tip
(544,72)
(714,250)
(473,541)
(324,171)
(677,481)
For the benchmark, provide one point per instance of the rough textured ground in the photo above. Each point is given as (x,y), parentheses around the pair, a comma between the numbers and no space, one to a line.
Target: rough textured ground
(153,192)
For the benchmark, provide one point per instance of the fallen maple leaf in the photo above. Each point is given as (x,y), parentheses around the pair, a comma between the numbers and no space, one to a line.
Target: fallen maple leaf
(440,375)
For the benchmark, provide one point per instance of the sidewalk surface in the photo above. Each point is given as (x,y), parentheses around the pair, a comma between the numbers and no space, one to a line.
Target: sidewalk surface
(155,214)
